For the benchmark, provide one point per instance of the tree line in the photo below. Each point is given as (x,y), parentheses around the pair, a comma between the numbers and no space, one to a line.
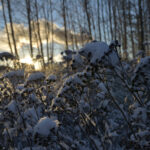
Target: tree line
(105,20)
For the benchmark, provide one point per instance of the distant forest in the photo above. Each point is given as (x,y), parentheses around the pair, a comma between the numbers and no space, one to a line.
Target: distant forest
(42,25)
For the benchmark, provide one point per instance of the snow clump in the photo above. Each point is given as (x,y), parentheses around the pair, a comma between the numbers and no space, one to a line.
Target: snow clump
(36,77)
(44,126)
(96,52)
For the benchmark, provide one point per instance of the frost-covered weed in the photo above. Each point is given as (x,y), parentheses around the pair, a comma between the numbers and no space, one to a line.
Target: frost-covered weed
(103,105)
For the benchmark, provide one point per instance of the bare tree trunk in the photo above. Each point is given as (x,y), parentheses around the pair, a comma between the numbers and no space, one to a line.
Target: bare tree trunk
(38,31)
(99,27)
(147,23)
(73,27)
(70,26)
(4,16)
(115,19)
(125,30)
(107,24)
(110,19)
(12,30)
(79,24)
(47,31)
(52,32)
(103,20)
(120,30)
(86,3)
(65,22)
(28,9)
(142,47)
(36,37)
(131,29)
(93,23)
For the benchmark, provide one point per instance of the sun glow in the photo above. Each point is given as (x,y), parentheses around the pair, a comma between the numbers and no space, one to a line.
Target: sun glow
(29,61)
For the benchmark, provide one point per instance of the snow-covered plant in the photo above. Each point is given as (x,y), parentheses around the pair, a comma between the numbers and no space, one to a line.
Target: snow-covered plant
(6,56)
(78,62)
(44,130)
(141,75)
(15,77)
(67,56)
(51,78)
(35,78)
(103,105)
(99,53)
